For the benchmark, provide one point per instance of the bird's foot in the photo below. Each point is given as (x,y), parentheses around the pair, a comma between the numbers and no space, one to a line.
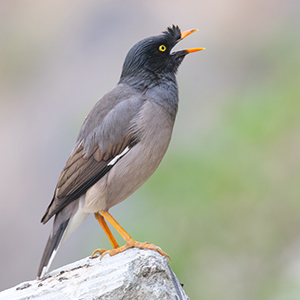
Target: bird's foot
(131,243)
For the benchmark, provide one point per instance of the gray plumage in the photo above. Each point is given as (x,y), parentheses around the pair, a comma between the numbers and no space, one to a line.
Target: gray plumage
(121,142)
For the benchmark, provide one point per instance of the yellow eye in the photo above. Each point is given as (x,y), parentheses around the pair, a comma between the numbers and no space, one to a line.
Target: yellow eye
(162,48)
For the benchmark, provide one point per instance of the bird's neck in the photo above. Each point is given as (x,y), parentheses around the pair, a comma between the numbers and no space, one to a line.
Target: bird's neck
(161,89)
(146,79)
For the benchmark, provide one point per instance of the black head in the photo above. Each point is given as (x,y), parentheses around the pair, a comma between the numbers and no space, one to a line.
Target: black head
(153,57)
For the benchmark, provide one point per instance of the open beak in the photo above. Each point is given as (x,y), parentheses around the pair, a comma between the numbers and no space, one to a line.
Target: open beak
(184,34)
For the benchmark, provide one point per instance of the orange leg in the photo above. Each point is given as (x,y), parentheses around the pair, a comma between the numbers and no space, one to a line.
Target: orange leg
(130,242)
(106,229)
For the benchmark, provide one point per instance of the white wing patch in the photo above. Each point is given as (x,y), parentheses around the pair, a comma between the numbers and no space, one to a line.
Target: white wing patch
(116,158)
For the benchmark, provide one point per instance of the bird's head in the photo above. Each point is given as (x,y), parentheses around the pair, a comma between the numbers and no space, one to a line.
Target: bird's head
(153,56)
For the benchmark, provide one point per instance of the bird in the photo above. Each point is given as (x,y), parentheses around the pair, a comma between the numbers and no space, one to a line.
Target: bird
(120,144)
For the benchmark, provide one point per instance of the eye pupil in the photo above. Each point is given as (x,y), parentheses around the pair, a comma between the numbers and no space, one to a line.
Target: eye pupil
(162,48)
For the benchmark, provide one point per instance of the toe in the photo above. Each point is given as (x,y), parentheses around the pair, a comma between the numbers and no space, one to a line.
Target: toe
(98,252)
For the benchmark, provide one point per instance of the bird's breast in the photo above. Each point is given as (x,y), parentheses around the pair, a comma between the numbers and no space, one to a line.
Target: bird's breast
(155,127)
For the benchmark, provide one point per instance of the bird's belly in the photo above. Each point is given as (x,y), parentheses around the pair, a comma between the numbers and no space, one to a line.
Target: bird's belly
(131,171)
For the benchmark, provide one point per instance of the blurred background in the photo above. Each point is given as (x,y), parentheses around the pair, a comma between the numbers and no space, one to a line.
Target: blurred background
(224,203)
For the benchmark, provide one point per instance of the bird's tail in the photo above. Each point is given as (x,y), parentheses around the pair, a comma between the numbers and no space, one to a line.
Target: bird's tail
(65,223)
(53,243)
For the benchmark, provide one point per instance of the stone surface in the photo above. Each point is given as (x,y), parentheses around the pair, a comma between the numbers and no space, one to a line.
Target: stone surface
(133,274)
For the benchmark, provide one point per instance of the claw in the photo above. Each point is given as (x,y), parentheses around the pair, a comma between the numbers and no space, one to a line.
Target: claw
(104,253)
(98,252)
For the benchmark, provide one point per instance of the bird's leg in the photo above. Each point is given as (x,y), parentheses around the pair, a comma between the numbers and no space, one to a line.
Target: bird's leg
(130,242)
(106,229)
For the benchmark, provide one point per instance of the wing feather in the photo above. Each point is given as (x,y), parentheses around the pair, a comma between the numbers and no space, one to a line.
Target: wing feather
(98,143)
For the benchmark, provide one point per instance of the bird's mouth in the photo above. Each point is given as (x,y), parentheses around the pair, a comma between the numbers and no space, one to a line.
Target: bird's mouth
(184,34)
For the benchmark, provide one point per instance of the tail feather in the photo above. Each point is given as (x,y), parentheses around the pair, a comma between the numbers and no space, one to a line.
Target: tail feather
(51,248)
(65,223)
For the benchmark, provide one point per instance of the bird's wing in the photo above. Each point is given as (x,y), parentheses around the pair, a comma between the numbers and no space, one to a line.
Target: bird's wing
(100,144)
